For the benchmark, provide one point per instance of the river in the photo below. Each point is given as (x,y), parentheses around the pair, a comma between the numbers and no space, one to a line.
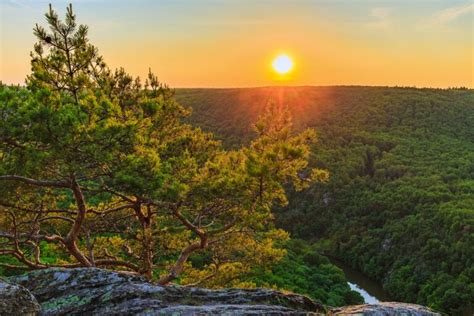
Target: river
(371,291)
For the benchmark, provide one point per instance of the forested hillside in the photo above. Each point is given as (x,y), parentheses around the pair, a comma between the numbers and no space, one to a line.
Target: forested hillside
(101,169)
(399,204)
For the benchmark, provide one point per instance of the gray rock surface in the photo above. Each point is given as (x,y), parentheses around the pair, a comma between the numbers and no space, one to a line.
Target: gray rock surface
(16,300)
(385,309)
(88,291)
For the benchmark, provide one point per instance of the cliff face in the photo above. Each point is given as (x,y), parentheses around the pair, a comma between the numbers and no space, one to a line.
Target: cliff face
(87,291)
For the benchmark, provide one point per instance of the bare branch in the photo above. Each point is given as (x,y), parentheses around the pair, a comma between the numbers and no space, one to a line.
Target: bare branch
(41,183)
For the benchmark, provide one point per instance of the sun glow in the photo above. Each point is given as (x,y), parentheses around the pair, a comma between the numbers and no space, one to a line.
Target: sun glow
(282,64)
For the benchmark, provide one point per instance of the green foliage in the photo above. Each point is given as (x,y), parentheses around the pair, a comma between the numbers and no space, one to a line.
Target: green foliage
(98,169)
(398,205)
(304,270)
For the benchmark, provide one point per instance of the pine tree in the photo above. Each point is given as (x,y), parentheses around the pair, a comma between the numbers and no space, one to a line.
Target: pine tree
(100,170)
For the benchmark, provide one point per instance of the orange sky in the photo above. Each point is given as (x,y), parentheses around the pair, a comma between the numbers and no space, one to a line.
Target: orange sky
(216,43)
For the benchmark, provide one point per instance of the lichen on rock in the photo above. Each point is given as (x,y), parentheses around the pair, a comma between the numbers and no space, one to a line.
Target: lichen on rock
(16,300)
(385,309)
(91,291)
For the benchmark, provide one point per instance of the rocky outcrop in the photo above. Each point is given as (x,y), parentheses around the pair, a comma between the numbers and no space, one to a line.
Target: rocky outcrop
(16,300)
(87,291)
(385,309)
(90,291)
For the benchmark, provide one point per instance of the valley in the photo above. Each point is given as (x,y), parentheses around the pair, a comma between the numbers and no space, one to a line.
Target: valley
(399,202)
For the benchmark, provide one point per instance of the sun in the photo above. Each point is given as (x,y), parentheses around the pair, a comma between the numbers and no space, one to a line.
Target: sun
(282,64)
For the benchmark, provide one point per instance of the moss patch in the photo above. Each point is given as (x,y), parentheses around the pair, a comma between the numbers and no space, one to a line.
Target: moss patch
(63,302)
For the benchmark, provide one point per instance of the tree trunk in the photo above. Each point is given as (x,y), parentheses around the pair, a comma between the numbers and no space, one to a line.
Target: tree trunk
(178,267)
(70,241)
(147,249)
(147,242)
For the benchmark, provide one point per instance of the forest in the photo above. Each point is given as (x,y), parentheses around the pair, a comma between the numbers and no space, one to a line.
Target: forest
(251,187)
(399,201)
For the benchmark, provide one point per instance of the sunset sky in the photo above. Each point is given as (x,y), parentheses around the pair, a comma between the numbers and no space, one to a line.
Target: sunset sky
(230,43)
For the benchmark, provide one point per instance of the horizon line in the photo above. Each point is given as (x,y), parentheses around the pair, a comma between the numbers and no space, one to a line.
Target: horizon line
(300,86)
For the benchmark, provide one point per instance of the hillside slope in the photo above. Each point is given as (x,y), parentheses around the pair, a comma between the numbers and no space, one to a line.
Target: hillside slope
(400,202)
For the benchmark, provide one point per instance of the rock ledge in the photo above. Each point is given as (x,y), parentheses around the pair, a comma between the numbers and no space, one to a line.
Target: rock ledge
(91,291)
(385,309)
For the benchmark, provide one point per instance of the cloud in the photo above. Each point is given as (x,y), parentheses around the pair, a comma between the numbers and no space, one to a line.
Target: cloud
(380,18)
(17,4)
(380,13)
(447,15)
